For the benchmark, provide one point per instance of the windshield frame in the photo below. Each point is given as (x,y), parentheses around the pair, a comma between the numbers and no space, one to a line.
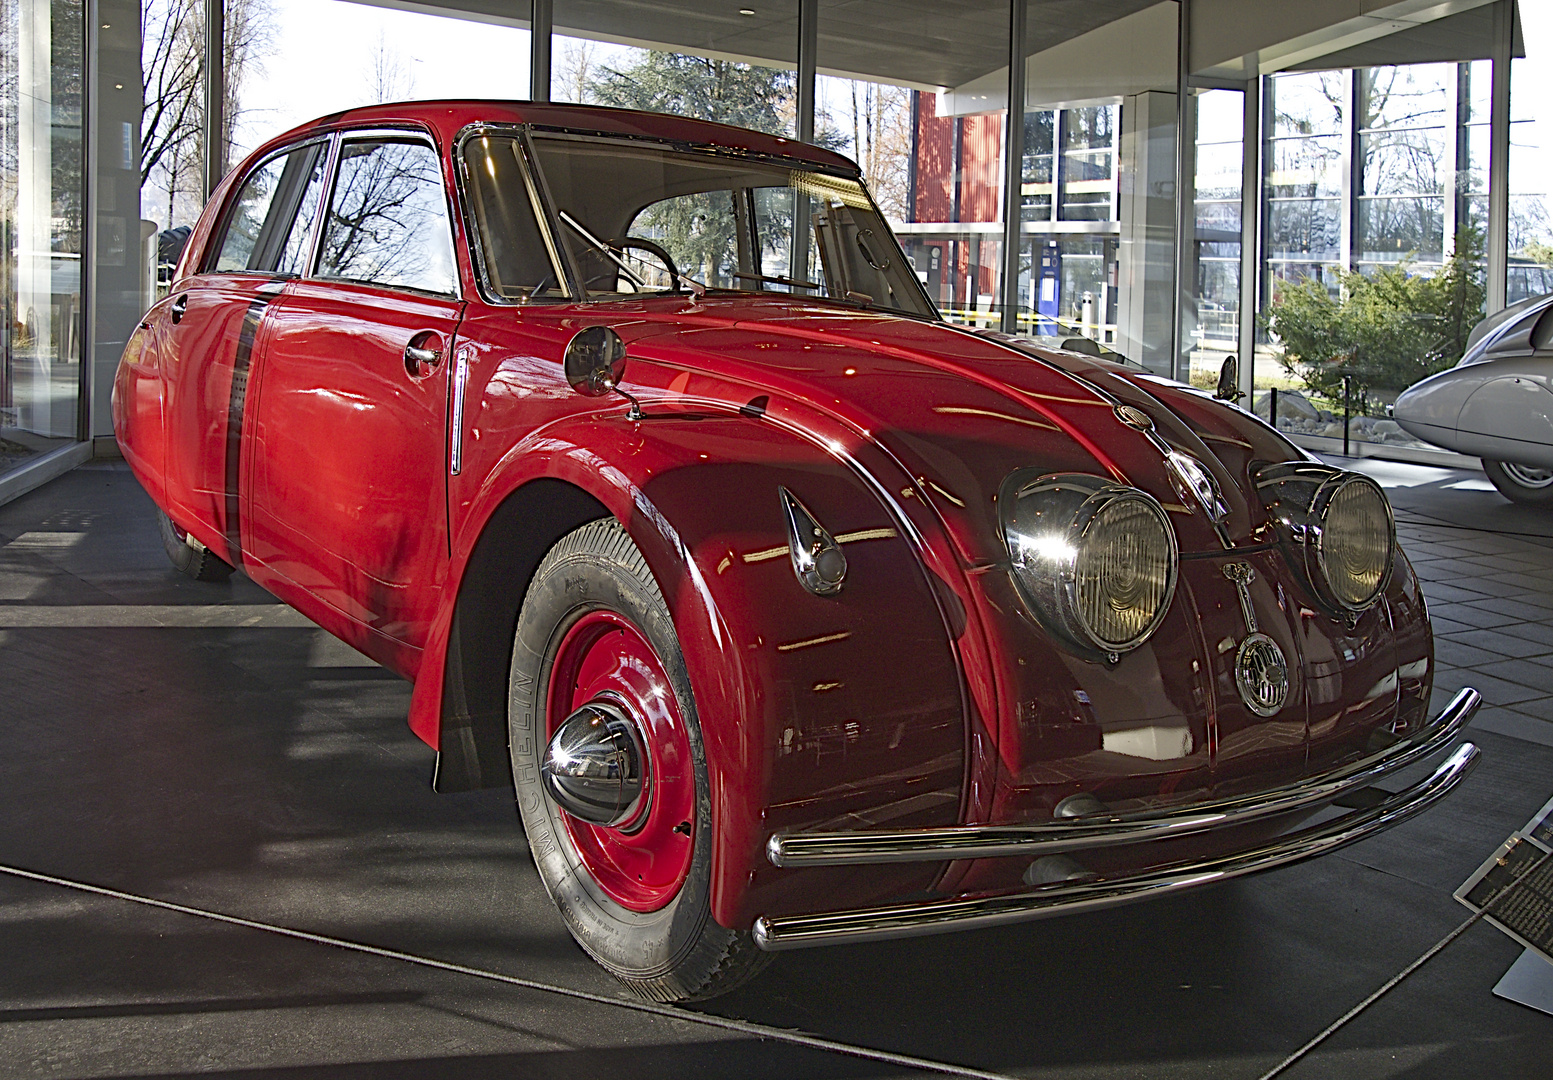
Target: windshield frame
(561,257)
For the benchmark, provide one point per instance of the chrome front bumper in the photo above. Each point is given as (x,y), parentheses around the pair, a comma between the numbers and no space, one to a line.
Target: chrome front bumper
(775,933)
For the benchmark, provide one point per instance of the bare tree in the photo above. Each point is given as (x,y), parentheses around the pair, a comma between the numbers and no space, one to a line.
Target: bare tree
(390,77)
(574,74)
(172,88)
(172,74)
(880,130)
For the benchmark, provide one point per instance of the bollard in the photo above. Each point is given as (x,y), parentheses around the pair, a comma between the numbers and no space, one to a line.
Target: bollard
(1272,407)
(1346,408)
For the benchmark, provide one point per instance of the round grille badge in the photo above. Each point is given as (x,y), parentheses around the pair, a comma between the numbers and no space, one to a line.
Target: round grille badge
(1261,674)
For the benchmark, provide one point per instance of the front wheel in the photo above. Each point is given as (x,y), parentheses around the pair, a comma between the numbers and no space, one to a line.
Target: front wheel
(1521,483)
(594,631)
(188,555)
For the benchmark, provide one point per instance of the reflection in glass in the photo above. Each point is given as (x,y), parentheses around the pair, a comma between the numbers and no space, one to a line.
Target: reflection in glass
(387,223)
(41,314)
(294,255)
(721,222)
(247,218)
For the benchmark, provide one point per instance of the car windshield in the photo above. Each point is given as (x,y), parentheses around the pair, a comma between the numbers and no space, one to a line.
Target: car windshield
(641,218)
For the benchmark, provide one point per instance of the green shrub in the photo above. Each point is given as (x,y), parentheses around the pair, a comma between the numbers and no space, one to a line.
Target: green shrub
(1385,330)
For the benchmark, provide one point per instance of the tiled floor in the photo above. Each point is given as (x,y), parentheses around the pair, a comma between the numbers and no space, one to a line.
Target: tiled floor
(1487,568)
(203,745)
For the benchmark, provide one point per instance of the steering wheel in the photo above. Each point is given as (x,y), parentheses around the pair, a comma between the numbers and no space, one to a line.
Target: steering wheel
(654,249)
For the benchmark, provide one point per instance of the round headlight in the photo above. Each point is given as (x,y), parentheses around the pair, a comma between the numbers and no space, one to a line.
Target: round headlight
(1094,561)
(1355,540)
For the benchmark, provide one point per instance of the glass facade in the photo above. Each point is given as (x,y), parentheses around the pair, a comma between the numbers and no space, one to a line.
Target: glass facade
(1364,172)
(1211,319)
(1375,204)
(1530,269)
(40,227)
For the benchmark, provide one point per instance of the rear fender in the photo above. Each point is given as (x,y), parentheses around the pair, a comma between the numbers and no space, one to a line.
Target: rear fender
(138,422)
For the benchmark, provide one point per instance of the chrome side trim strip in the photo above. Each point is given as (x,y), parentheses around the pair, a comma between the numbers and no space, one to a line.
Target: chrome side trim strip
(1080,834)
(461,357)
(779,933)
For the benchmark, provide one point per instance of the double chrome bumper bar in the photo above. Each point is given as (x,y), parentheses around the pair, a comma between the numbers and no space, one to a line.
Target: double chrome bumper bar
(988,841)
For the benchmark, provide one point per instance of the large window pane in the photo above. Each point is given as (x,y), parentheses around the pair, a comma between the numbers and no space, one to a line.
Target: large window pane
(730,64)
(40,226)
(934,161)
(1305,229)
(1097,235)
(1531,158)
(1210,328)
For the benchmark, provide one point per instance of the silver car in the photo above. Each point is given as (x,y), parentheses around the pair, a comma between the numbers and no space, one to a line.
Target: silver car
(1497,403)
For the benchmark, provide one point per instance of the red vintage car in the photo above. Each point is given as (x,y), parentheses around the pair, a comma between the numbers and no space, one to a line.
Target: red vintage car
(793,613)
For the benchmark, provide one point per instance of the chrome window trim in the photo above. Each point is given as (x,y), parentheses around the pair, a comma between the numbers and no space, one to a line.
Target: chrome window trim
(558,265)
(315,242)
(414,134)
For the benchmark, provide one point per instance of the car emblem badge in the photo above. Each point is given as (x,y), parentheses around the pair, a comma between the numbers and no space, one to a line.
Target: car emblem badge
(1261,672)
(1134,418)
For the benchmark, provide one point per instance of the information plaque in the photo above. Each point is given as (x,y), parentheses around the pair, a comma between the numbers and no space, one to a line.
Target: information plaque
(1513,890)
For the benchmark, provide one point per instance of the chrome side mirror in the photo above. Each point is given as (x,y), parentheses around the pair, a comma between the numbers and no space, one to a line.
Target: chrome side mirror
(1229,381)
(595,362)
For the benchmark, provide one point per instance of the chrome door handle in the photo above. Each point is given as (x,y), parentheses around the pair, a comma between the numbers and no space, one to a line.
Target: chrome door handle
(420,361)
(180,305)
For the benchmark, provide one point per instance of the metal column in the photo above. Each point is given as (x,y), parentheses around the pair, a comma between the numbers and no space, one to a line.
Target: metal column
(1250,234)
(541,18)
(1186,209)
(1014,167)
(808,61)
(215,93)
(1499,157)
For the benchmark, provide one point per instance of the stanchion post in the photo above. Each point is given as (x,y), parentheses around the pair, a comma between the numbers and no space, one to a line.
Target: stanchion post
(1346,409)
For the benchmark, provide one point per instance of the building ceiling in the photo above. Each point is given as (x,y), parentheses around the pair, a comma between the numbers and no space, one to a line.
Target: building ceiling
(941,44)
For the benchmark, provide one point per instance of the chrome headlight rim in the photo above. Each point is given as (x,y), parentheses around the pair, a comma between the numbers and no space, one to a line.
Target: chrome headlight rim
(1299,496)
(1048,585)
(1320,508)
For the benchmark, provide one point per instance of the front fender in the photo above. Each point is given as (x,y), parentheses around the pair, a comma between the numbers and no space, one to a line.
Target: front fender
(816,712)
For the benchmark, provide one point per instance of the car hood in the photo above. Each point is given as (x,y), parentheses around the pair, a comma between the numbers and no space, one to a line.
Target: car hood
(960,410)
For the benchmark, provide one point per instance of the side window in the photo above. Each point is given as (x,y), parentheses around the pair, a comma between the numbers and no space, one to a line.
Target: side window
(388,221)
(263,212)
(249,214)
(295,251)
(517,263)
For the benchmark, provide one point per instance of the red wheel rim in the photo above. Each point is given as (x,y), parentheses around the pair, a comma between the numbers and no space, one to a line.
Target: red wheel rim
(642,864)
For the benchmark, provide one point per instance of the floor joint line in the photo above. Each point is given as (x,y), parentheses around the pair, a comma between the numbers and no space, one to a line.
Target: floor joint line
(744,1027)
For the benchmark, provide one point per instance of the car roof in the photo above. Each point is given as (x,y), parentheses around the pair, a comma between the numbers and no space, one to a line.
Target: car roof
(450,116)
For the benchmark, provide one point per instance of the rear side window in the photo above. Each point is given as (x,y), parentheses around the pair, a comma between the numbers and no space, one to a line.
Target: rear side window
(388,220)
(263,211)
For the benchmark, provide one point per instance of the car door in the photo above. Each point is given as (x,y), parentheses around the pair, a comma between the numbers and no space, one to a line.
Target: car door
(348,494)
(207,335)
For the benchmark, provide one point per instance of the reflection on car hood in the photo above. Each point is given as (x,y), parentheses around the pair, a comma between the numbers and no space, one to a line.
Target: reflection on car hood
(960,410)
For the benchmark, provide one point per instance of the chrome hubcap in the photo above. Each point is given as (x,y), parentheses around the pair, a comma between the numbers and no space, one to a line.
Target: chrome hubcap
(595,767)
(1527,476)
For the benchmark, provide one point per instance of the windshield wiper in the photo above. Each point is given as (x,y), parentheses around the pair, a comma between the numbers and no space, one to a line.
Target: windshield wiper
(789,282)
(695,288)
